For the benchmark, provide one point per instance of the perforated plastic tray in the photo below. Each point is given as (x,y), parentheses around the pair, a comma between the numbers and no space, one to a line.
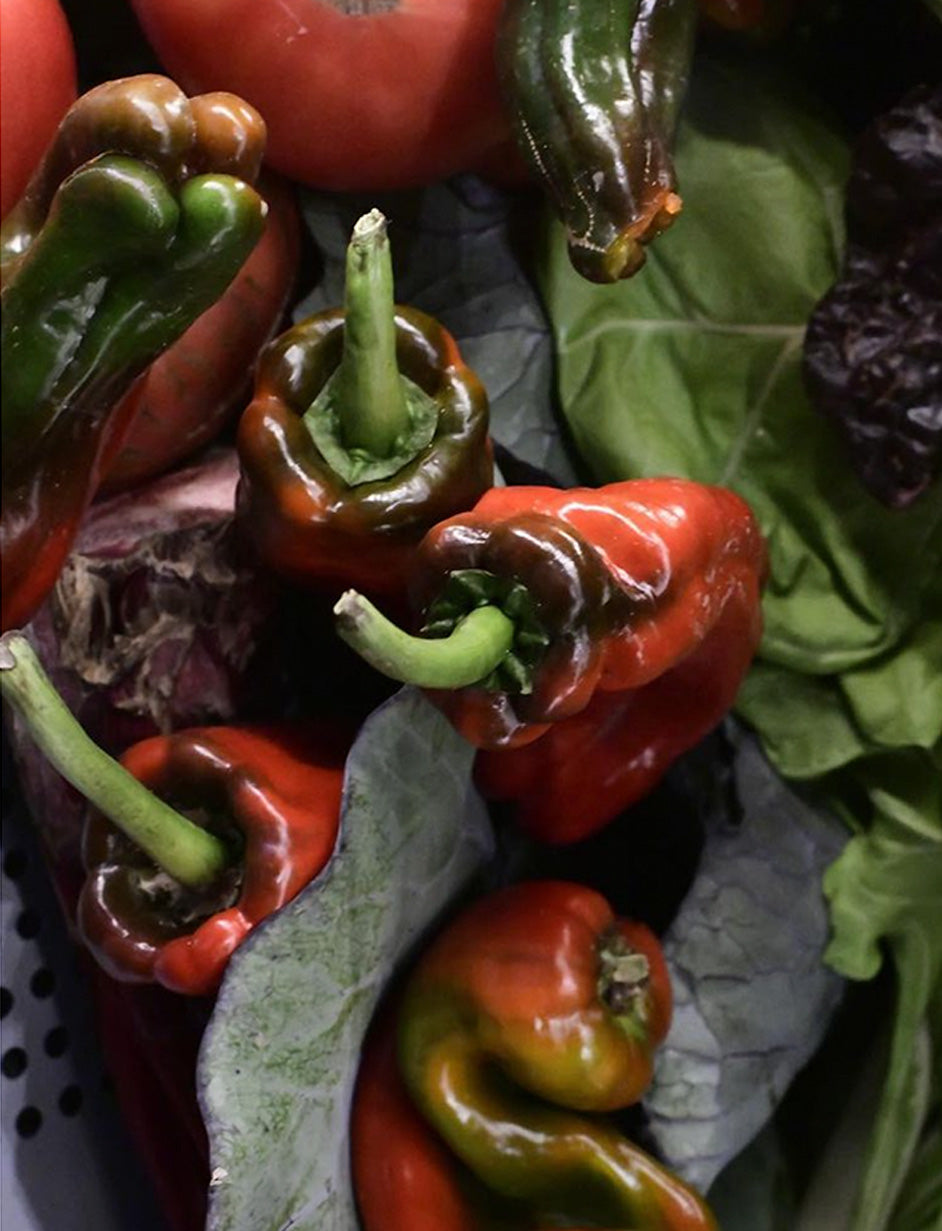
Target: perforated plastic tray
(66,1163)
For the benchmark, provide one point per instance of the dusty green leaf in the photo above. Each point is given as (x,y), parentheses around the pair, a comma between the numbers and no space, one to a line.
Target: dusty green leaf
(279,1058)
(752,994)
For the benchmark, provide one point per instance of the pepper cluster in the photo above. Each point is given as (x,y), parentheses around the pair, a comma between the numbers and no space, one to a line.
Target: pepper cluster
(569,635)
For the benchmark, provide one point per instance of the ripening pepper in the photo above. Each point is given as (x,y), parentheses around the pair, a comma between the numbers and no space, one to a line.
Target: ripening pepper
(531,1013)
(539,599)
(137,219)
(366,429)
(593,89)
(193,837)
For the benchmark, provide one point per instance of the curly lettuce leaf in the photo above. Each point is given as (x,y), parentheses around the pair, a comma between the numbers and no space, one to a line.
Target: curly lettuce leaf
(279,1058)
(885,892)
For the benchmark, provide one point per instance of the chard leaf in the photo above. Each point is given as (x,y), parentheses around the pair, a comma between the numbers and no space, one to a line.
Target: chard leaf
(279,1058)
(453,257)
(693,367)
(752,995)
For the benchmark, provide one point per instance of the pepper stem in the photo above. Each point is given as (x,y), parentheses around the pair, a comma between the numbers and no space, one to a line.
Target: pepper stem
(466,656)
(184,850)
(368,385)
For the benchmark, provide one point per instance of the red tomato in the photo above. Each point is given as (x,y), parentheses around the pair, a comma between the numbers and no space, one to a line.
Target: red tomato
(37,87)
(357,94)
(186,395)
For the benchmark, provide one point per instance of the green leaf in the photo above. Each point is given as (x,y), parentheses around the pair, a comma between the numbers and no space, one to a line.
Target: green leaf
(693,367)
(752,996)
(886,890)
(279,1058)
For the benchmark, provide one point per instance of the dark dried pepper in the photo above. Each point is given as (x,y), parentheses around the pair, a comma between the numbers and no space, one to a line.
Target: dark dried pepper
(873,363)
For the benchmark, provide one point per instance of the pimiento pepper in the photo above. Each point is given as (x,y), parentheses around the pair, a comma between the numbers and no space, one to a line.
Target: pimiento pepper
(366,429)
(191,392)
(137,219)
(538,599)
(211,829)
(622,742)
(534,1010)
(593,89)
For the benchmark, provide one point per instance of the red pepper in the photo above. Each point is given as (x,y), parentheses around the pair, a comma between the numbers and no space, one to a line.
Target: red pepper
(137,219)
(533,1010)
(622,743)
(404,1177)
(539,599)
(366,429)
(191,392)
(212,829)
(279,787)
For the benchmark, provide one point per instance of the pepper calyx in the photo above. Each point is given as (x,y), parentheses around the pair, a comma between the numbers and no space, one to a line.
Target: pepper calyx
(325,422)
(464,591)
(623,982)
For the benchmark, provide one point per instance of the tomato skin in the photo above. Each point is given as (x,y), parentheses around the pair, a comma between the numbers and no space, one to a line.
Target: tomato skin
(393,98)
(37,87)
(187,395)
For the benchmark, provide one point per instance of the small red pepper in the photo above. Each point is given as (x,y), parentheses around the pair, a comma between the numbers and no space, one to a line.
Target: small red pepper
(366,429)
(533,1010)
(211,829)
(538,600)
(275,789)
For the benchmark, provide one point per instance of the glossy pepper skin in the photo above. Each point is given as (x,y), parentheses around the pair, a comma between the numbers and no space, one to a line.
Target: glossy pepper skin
(593,89)
(310,525)
(365,428)
(137,219)
(534,1010)
(274,790)
(623,742)
(624,582)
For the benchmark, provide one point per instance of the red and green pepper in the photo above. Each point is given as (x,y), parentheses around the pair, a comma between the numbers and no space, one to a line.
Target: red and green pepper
(531,1013)
(366,429)
(136,220)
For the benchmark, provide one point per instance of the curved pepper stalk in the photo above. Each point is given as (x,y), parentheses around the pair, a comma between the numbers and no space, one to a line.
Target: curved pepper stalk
(593,88)
(193,838)
(534,1011)
(138,218)
(366,428)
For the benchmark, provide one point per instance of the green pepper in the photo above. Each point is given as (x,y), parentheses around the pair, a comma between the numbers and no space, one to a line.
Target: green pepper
(593,89)
(136,221)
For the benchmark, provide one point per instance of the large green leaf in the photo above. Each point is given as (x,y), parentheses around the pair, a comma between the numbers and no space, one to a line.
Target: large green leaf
(279,1058)
(886,889)
(752,996)
(693,368)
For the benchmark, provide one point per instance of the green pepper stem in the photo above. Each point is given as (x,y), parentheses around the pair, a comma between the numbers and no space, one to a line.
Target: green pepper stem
(188,853)
(368,386)
(466,656)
